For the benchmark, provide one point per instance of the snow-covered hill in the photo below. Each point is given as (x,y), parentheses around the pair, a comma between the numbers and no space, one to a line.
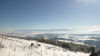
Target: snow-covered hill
(21,47)
(87,39)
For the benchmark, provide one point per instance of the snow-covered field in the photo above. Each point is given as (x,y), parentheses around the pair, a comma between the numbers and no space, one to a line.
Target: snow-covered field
(21,47)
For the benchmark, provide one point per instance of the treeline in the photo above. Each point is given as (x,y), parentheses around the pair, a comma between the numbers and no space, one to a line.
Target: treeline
(66,45)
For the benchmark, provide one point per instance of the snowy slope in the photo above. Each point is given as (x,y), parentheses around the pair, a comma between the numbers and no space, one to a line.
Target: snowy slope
(21,47)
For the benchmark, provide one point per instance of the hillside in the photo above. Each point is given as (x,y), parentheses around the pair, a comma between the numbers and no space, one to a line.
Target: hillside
(20,47)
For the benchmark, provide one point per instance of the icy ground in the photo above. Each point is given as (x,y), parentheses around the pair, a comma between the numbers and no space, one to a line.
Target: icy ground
(21,47)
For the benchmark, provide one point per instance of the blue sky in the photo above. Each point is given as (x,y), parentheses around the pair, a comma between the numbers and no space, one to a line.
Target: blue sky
(48,14)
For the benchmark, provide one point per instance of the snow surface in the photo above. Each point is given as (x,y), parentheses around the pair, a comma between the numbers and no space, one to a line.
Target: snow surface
(21,47)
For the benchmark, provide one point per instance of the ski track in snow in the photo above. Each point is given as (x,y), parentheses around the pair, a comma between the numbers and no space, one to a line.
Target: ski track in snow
(21,47)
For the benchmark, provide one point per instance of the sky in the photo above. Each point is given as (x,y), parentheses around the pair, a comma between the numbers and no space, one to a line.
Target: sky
(49,14)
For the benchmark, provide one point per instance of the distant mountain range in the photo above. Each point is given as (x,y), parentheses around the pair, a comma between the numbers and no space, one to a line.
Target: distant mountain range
(47,30)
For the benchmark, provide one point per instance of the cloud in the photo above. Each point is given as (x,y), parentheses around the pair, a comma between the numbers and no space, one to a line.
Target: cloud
(5,31)
(95,28)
